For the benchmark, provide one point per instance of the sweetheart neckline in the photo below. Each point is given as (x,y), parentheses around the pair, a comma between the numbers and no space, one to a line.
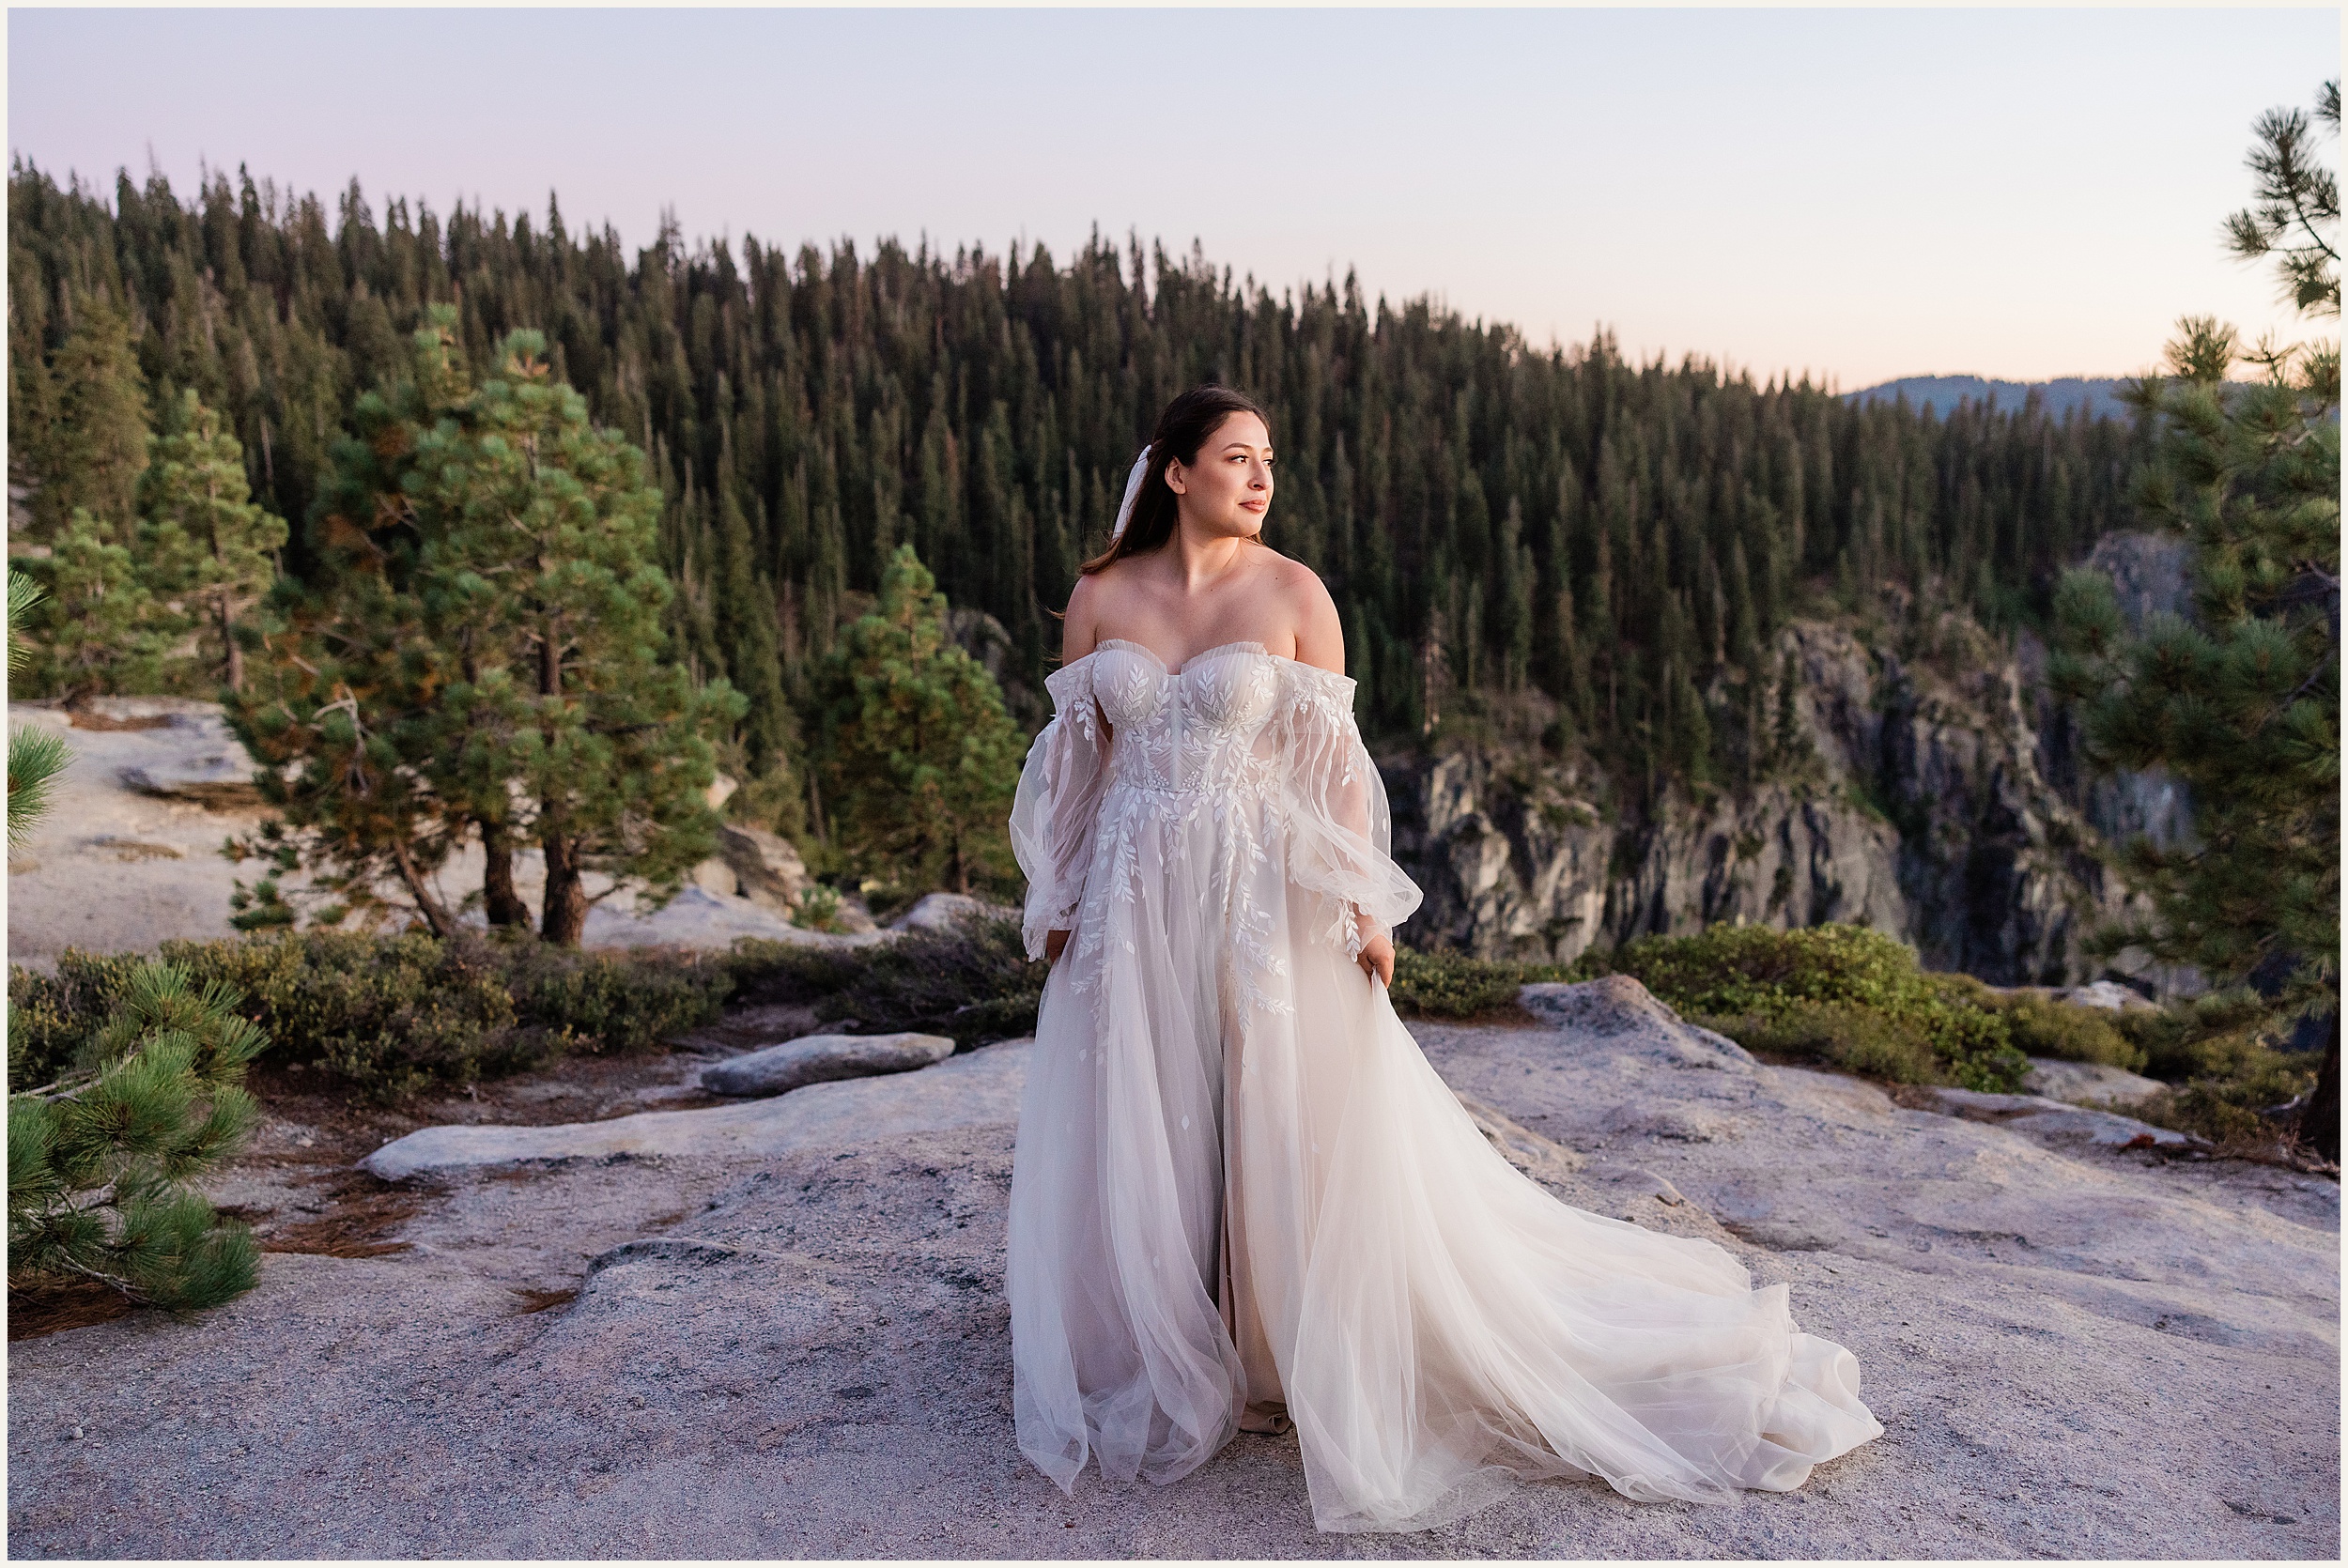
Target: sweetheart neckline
(1203,653)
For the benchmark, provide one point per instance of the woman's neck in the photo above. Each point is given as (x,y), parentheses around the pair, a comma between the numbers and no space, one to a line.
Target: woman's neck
(1199,560)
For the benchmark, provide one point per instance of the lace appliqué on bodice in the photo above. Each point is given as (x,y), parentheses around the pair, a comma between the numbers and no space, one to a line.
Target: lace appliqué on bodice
(1190,751)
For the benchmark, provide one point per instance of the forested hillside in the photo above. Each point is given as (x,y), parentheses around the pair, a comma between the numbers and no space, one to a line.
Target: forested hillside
(1556,546)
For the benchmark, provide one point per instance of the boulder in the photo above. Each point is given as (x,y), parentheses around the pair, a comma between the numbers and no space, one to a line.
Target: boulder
(821,1058)
(978,1088)
(2109,995)
(766,867)
(2088,1083)
(1616,1005)
(938,912)
(696,917)
(191,755)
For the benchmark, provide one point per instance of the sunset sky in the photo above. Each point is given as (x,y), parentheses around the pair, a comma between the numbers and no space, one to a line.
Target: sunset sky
(1858,193)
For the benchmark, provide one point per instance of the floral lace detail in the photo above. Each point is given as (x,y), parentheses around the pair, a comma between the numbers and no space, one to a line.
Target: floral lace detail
(1259,751)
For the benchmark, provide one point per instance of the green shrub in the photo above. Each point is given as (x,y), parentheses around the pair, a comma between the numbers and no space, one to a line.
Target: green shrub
(51,1015)
(1851,1040)
(1453,985)
(1838,993)
(971,982)
(769,972)
(393,1015)
(2065,1031)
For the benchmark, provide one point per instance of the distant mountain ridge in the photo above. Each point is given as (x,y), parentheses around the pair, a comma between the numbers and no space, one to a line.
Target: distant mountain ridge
(2093,395)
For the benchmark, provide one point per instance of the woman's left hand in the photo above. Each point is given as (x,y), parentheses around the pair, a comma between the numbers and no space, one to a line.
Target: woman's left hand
(1377,958)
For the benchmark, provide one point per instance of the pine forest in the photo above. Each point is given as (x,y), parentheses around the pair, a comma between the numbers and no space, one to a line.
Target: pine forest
(1556,547)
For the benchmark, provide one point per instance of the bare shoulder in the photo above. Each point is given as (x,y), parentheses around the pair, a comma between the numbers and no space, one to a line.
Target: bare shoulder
(1312,614)
(1081,630)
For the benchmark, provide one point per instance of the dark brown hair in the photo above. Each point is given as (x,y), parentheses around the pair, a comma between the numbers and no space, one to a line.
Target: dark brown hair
(1183,429)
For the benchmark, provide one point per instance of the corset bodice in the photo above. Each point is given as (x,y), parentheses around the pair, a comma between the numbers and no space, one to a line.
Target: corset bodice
(1197,730)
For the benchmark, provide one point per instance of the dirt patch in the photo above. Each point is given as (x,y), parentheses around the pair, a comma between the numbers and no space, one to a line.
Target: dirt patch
(362,1215)
(89,718)
(52,1308)
(534,1300)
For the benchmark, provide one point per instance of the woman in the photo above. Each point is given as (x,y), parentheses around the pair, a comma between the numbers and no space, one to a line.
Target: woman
(1241,1198)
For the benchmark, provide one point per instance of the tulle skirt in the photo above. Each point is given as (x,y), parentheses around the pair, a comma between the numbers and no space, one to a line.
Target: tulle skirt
(1241,1197)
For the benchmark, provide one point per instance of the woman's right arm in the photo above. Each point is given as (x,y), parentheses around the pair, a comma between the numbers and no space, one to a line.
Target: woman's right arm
(1073,758)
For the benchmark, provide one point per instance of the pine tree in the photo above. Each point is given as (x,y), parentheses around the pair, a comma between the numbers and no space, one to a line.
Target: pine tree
(36,757)
(539,533)
(918,760)
(2242,702)
(100,629)
(93,446)
(104,1163)
(342,709)
(205,542)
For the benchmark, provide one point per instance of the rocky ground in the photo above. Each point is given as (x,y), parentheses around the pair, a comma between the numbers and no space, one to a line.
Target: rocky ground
(791,1341)
(129,853)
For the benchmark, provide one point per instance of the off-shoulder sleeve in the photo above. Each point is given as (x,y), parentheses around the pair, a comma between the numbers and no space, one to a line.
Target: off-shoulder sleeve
(1341,835)
(1059,796)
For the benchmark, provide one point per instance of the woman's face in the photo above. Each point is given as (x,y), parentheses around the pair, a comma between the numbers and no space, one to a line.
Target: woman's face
(1227,490)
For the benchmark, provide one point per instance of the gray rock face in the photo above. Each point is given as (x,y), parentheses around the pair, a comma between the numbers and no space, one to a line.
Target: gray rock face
(1944,805)
(766,867)
(821,1058)
(797,1345)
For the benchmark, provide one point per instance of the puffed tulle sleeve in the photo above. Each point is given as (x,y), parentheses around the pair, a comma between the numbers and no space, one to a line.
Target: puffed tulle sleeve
(1341,837)
(1059,796)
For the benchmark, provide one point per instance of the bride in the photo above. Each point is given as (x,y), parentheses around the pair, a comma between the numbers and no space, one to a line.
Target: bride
(1241,1200)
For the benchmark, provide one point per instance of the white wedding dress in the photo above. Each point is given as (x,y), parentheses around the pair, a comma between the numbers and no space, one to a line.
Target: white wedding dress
(1241,1193)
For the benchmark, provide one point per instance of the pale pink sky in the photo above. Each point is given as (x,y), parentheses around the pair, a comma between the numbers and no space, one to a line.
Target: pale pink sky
(1860,194)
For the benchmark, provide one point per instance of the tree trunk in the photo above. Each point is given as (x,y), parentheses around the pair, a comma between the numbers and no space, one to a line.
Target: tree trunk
(565,918)
(505,906)
(235,654)
(2319,1119)
(419,889)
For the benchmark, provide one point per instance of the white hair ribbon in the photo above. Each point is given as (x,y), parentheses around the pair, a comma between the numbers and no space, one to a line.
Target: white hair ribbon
(1132,492)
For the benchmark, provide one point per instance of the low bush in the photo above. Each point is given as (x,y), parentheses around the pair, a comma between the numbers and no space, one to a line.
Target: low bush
(2068,1031)
(2217,1053)
(1853,1039)
(1453,985)
(1842,995)
(971,982)
(393,1015)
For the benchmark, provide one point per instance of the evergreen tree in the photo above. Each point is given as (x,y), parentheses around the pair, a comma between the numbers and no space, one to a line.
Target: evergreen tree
(89,453)
(99,628)
(342,709)
(985,409)
(538,537)
(918,760)
(207,544)
(35,756)
(104,1163)
(2242,702)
